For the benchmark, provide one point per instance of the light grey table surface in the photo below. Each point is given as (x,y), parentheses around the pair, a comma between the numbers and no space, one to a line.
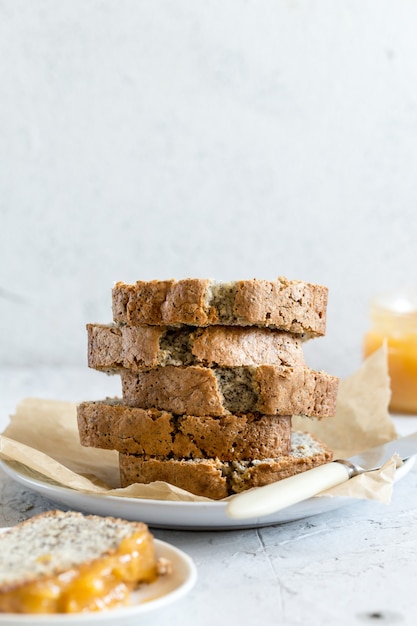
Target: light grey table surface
(353,566)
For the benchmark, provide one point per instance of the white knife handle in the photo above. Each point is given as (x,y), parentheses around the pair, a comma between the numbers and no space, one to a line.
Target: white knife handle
(283,493)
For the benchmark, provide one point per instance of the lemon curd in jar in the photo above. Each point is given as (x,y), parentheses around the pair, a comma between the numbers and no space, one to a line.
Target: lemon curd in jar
(394,321)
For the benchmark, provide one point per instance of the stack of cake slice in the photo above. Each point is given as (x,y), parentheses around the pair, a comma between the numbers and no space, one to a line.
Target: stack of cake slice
(211,374)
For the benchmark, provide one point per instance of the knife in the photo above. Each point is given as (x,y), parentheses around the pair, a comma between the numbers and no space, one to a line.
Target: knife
(283,493)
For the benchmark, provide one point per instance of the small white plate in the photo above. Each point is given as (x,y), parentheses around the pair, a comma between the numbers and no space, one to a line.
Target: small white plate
(210,515)
(166,589)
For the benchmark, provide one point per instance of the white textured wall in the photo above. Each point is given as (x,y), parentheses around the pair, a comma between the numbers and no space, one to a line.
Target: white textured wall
(237,139)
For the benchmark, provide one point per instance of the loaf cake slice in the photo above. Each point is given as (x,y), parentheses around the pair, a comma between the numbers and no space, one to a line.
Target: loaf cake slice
(65,562)
(217,479)
(199,391)
(111,425)
(293,306)
(112,346)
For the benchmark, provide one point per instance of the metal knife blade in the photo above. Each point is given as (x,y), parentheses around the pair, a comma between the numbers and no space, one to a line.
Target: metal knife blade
(374,458)
(281,494)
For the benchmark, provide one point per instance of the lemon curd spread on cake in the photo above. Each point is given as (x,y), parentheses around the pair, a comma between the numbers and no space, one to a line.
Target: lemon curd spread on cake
(65,562)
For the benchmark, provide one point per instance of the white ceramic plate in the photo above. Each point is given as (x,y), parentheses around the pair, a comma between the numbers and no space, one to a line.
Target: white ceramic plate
(181,515)
(150,597)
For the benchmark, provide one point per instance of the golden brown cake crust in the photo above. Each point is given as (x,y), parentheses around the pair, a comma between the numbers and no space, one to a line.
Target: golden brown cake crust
(161,302)
(267,389)
(111,347)
(215,479)
(111,425)
(302,390)
(180,390)
(293,306)
(235,346)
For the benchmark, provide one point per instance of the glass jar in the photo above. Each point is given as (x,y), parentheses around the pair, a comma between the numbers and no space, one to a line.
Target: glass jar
(394,320)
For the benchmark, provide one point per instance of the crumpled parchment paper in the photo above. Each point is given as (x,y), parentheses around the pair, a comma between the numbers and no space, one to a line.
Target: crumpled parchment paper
(42,438)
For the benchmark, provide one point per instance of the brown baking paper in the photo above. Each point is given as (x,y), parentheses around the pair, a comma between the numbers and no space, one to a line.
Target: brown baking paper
(42,438)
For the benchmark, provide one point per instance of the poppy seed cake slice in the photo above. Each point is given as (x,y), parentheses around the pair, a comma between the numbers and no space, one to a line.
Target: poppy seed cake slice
(111,425)
(293,306)
(65,562)
(217,479)
(266,389)
(111,347)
